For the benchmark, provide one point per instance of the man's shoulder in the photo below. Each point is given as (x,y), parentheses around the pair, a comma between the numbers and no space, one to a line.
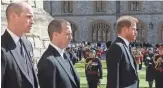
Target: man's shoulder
(47,58)
(115,45)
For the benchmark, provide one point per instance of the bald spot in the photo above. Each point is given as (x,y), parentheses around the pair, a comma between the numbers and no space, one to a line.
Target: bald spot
(15,8)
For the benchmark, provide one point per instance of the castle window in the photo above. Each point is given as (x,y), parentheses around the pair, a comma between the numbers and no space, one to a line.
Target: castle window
(134,5)
(162,33)
(67,6)
(140,33)
(73,28)
(100,6)
(101,32)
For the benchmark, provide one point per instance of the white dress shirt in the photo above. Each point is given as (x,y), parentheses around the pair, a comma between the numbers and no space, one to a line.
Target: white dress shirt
(125,40)
(61,51)
(14,37)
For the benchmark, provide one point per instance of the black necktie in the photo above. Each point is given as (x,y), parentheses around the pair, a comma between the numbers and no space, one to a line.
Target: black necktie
(22,50)
(65,56)
(130,50)
(68,61)
(26,59)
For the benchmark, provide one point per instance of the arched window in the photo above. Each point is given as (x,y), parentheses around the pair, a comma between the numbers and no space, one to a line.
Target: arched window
(67,6)
(101,32)
(73,28)
(134,5)
(140,33)
(100,6)
(162,33)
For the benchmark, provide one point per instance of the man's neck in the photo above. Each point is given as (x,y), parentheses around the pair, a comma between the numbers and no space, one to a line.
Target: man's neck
(124,39)
(15,31)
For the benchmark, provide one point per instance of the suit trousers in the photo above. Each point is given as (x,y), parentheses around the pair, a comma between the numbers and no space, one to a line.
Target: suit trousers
(92,84)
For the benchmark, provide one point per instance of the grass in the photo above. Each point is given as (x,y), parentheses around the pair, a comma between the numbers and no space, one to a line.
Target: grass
(80,69)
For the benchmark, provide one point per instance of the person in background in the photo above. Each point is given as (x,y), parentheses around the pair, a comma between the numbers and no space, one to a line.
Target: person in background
(138,57)
(93,70)
(72,55)
(158,60)
(150,68)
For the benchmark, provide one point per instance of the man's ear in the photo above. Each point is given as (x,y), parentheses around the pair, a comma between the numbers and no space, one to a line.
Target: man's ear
(55,34)
(13,16)
(124,29)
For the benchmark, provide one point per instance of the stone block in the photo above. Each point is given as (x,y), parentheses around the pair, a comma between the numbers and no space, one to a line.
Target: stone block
(38,43)
(37,53)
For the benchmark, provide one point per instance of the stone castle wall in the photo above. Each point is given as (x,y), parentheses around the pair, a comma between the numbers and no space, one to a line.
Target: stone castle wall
(83,16)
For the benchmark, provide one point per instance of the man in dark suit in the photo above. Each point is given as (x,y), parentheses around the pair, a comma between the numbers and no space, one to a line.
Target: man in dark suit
(121,67)
(55,70)
(16,62)
(158,60)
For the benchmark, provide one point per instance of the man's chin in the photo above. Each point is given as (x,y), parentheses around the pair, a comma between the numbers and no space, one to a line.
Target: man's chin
(27,31)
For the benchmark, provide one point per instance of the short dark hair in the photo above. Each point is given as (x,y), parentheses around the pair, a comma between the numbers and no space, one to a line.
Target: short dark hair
(14,8)
(159,45)
(124,21)
(56,26)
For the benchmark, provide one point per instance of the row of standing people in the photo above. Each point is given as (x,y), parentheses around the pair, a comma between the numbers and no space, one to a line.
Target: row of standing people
(149,56)
(154,66)
(55,70)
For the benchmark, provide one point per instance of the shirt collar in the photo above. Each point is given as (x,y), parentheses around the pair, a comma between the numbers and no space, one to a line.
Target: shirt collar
(125,40)
(61,51)
(14,37)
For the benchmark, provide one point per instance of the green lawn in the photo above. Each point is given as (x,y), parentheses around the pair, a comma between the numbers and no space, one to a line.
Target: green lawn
(80,68)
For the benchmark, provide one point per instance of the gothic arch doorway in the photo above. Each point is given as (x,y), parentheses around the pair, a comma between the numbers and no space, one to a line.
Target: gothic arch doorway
(160,33)
(74,31)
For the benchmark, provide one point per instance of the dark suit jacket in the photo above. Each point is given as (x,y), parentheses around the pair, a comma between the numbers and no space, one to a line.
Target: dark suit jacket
(53,73)
(121,66)
(13,71)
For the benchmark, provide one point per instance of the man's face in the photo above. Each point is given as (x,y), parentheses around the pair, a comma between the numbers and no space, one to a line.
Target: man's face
(25,19)
(131,33)
(65,36)
(160,50)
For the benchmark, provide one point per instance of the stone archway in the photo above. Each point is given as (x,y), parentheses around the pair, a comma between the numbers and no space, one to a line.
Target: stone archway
(141,32)
(74,31)
(161,36)
(100,31)
(160,33)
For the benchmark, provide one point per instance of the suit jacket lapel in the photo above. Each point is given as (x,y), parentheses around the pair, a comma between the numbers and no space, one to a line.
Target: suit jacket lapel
(75,72)
(130,56)
(61,62)
(30,59)
(19,60)
(128,52)
(14,50)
